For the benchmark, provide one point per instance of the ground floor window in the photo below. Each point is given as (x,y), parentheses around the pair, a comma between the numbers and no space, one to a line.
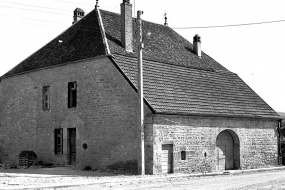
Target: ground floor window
(58,141)
(183,155)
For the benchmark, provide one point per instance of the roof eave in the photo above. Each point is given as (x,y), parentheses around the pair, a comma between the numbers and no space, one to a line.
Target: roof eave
(54,66)
(220,115)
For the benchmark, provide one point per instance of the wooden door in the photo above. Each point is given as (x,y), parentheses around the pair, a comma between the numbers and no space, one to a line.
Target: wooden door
(167,158)
(225,151)
(221,157)
(72,146)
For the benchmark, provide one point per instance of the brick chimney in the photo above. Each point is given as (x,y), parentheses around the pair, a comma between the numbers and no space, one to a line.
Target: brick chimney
(197,45)
(126,25)
(78,15)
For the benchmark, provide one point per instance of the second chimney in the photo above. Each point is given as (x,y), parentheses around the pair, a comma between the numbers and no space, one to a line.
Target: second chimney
(127,25)
(78,14)
(197,45)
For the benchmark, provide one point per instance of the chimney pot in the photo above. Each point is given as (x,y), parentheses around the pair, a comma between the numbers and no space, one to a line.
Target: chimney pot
(126,1)
(78,15)
(127,25)
(197,45)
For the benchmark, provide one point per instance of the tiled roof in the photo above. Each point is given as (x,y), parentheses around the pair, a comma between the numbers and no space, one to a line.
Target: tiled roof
(164,44)
(81,41)
(176,80)
(177,89)
(84,40)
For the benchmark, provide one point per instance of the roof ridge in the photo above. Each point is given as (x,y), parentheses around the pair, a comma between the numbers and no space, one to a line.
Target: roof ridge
(102,30)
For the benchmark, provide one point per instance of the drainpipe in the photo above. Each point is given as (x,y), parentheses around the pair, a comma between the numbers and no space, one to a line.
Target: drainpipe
(279,143)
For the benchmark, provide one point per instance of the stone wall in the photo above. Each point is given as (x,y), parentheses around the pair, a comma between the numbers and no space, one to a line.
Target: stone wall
(197,136)
(105,117)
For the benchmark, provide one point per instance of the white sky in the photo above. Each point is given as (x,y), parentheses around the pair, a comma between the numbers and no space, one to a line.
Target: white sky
(254,52)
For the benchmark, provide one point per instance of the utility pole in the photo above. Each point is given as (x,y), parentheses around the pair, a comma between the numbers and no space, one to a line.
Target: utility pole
(141,164)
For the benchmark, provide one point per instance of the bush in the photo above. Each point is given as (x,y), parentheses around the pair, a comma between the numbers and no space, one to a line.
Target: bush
(87,168)
(41,164)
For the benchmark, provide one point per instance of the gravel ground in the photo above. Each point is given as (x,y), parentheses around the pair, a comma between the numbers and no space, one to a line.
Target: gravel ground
(253,181)
(16,178)
(34,178)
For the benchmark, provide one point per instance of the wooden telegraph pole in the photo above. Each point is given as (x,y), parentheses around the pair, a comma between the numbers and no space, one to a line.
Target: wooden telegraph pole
(140,93)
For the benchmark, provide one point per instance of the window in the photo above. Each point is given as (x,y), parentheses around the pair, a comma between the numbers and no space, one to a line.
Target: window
(183,155)
(58,141)
(72,91)
(46,98)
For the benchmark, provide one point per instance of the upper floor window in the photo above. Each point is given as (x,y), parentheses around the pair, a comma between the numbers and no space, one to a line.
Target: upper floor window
(72,93)
(46,98)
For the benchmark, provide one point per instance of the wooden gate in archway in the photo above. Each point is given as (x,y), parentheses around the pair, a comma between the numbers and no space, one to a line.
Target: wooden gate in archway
(227,151)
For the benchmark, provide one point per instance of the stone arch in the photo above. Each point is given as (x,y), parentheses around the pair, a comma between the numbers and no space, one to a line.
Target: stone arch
(227,150)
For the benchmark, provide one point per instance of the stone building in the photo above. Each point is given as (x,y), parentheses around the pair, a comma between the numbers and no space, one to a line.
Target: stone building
(75,102)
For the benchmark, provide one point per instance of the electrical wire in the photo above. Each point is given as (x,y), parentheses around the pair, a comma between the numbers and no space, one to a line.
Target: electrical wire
(72,2)
(6,7)
(230,25)
(38,24)
(33,19)
(34,6)
(178,28)
(45,11)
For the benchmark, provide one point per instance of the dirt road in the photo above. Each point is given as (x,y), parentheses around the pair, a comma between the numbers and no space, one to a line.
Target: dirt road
(259,180)
(264,180)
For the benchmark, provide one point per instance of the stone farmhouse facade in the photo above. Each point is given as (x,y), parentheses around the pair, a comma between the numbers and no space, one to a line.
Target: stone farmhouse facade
(75,102)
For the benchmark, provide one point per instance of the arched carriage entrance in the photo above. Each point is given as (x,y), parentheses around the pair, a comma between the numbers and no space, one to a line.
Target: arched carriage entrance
(227,150)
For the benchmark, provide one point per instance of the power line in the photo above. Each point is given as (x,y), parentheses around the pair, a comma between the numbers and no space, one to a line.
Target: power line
(33,19)
(34,6)
(44,21)
(55,26)
(45,11)
(72,2)
(39,24)
(6,7)
(230,25)
(37,10)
